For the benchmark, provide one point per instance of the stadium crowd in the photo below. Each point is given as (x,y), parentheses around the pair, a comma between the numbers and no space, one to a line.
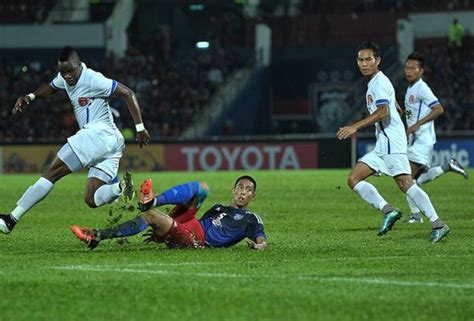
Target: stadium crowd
(170,92)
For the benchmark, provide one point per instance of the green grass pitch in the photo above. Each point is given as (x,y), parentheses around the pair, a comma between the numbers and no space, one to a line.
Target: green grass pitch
(324,260)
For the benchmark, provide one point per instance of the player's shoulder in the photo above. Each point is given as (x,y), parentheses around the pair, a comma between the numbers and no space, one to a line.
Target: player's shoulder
(384,80)
(217,207)
(253,216)
(93,74)
(423,85)
(380,80)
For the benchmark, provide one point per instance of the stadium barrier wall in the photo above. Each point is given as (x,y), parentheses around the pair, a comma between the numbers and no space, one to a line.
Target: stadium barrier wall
(291,152)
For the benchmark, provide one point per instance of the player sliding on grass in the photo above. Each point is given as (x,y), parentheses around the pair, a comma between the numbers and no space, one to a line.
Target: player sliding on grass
(220,226)
(98,145)
(422,107)
(390,154)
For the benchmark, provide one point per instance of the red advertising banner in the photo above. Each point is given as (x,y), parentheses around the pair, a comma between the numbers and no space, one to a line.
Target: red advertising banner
(235,156)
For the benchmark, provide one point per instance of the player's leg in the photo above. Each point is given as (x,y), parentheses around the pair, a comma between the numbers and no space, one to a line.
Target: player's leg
(103,186)
(64,163)
(190,195)
(435,172)
(416,216)
(367,166)
(423,202)
(160,223)
(176,234)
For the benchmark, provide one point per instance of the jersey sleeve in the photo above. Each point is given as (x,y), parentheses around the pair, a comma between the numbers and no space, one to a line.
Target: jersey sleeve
(381,93)
(103,86)
(255,228)
(57,83)
(427,95)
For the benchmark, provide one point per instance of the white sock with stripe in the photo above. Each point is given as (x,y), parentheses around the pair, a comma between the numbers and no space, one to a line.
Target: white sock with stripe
(369,193)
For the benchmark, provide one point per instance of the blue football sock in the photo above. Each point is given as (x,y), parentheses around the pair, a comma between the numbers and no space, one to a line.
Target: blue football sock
(128,228)
(181,194)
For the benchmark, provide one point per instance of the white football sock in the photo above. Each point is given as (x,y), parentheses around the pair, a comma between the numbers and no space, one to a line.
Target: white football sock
(430,175)
(412,206)
(34,194)
(369,193)
(422,201)
(107,194)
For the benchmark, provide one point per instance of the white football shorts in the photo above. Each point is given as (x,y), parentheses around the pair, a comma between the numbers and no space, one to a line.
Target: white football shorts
(420,153)
(390,164)
(100,149)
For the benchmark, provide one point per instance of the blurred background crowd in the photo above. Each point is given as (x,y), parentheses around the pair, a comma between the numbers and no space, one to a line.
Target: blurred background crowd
(177,78)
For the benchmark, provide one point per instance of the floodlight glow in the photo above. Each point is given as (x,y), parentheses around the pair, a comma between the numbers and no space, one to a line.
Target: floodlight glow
(202,44)
(196,7)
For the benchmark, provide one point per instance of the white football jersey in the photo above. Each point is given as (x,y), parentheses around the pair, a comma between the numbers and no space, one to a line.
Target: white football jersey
(419,99)
(389,132)
(89,97)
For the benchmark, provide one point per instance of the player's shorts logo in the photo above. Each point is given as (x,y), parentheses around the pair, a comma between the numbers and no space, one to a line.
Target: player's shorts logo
(83,101)
(370,100)
(411,99)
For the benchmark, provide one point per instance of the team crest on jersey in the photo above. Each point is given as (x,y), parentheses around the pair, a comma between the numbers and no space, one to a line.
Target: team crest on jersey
(238,217)
(370,100)
(83,101)
(411,99)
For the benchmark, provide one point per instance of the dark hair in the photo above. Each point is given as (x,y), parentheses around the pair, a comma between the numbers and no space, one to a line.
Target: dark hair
(250,178)
(66,53)
(370,45)
(416,56)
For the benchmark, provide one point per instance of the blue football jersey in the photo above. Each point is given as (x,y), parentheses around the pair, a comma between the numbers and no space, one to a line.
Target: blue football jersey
(225,226)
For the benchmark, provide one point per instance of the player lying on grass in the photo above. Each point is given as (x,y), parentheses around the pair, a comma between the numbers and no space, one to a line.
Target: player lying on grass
(220,226)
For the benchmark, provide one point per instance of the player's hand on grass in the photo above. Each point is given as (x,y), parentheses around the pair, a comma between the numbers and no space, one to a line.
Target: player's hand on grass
(256,246)
(143,138)
(345,132)
(21,103)
(150,237)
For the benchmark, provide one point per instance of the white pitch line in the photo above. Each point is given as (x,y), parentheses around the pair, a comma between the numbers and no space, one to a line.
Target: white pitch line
(382,281)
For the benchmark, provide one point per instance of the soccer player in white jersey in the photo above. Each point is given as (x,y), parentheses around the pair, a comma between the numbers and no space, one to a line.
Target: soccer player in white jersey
(390,154)
(98,145)
(422,107)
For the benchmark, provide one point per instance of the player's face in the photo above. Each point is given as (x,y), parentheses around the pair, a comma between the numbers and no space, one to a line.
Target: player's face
(70,71)
(413,71)
(242,193)
(368,64)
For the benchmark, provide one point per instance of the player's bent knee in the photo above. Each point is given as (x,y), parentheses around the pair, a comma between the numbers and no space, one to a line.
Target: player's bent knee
(404,183)
(89,199)
(352,181)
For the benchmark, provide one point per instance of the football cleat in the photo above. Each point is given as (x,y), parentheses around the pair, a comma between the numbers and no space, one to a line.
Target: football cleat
(389,220)
(439,233)
(128,190)
(415,218)
(7,223)
(147,197)
(86,235)
(455,167)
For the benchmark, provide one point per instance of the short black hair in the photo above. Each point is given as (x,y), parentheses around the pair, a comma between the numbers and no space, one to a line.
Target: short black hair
(416,56)
(68,52)
(370,45)
(250,178)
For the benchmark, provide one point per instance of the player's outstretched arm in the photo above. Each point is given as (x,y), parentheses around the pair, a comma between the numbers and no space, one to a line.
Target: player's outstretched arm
(436,111)
(259,244)
(43,91)
(347,131)
(143,137)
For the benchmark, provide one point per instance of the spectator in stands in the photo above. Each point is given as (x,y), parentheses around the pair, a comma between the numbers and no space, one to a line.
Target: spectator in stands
(456,35)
